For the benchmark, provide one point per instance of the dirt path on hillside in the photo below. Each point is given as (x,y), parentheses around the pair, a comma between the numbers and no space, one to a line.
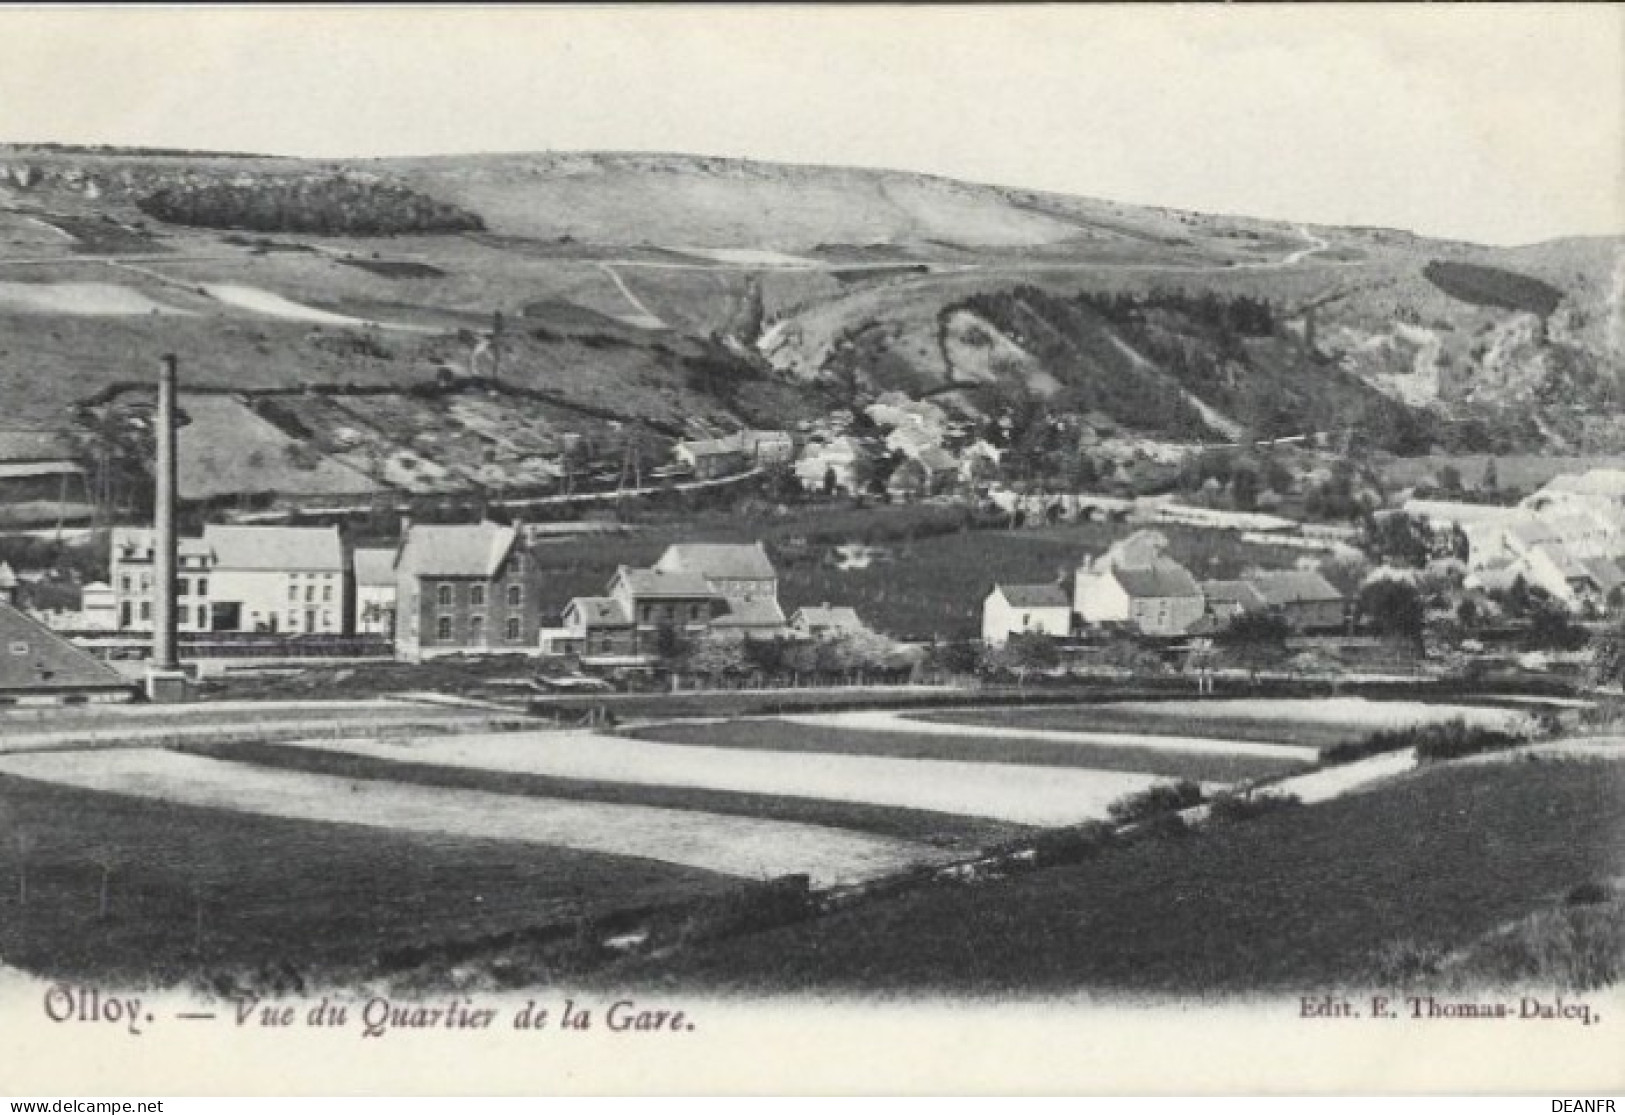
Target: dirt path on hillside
(884,721)
(1028,795)
(649,319)
(730,845)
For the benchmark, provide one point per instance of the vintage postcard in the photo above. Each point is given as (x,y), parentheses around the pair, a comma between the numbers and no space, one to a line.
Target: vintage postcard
(812,549)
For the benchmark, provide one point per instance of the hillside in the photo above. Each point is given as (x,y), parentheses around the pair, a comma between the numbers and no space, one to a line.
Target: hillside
(699,294)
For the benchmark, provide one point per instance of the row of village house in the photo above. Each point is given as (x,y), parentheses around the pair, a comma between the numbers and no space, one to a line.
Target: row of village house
(475,587)
(1157,597)
(445,589)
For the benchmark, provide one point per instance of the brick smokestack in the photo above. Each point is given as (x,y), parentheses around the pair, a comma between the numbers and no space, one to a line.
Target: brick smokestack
(164,619)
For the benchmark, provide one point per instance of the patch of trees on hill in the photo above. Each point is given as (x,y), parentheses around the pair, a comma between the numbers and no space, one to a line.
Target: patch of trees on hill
(1075,346)
(1494,287)
(1226,352)
(331,205)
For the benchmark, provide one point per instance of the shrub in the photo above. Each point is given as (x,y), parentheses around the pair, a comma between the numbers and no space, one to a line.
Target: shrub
(1450,740)
(1230,807)
(1456,739)
(1073,844)
(749,909)
(1165,797)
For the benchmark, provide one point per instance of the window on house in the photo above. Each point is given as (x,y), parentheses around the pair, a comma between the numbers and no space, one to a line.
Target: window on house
(310,594)
(124,584)
(442,629)
(203,586)
(146,609)
(203,616)
(327,594)
(146,582)
(513,629)
(445,596)
(516,596)
(185,584)
(293,592)
(476,595)
(476,629)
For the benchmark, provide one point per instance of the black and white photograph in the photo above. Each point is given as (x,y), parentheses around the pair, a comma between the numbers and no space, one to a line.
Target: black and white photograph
(812,548)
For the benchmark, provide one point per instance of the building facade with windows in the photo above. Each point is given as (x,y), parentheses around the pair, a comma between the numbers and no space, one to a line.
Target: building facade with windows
(288,580)
(133,552)
(465,589)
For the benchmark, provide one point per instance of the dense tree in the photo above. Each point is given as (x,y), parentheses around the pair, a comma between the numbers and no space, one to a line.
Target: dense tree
(1392,607)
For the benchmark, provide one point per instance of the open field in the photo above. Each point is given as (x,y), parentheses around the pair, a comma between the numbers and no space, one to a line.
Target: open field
(1332,895)
(738,846)
(269,892)
(1321,722)
(923,743)
(1001,791)
(940,830)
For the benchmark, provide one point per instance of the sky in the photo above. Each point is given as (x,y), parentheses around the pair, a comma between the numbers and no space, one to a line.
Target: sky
(1502,124)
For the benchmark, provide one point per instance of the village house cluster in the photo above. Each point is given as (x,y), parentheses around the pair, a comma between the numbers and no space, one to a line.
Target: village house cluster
(1566,538)
(1146,593)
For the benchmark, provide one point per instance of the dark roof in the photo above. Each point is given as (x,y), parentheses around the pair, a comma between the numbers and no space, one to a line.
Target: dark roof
(1034,596)
(1165,578)
(1294,586)
(718,561)
(760,611)
(33,658)
(1240,593)
(463,550)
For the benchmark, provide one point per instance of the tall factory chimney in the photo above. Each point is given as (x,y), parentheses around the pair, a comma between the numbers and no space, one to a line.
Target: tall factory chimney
(165,681)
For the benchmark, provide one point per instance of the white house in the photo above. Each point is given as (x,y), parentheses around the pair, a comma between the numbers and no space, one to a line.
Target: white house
(264,578)
(374,591)
(1025,609)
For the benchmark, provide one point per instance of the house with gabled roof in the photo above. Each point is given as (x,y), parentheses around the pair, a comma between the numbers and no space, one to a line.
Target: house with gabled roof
(465,589)
(593,627)
(373,575)
(1025,610)
(824,621)
(1302,597)
(664,605)
(1228,599)
(1158,597)
(38,666)
(270,578)
(741,574)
